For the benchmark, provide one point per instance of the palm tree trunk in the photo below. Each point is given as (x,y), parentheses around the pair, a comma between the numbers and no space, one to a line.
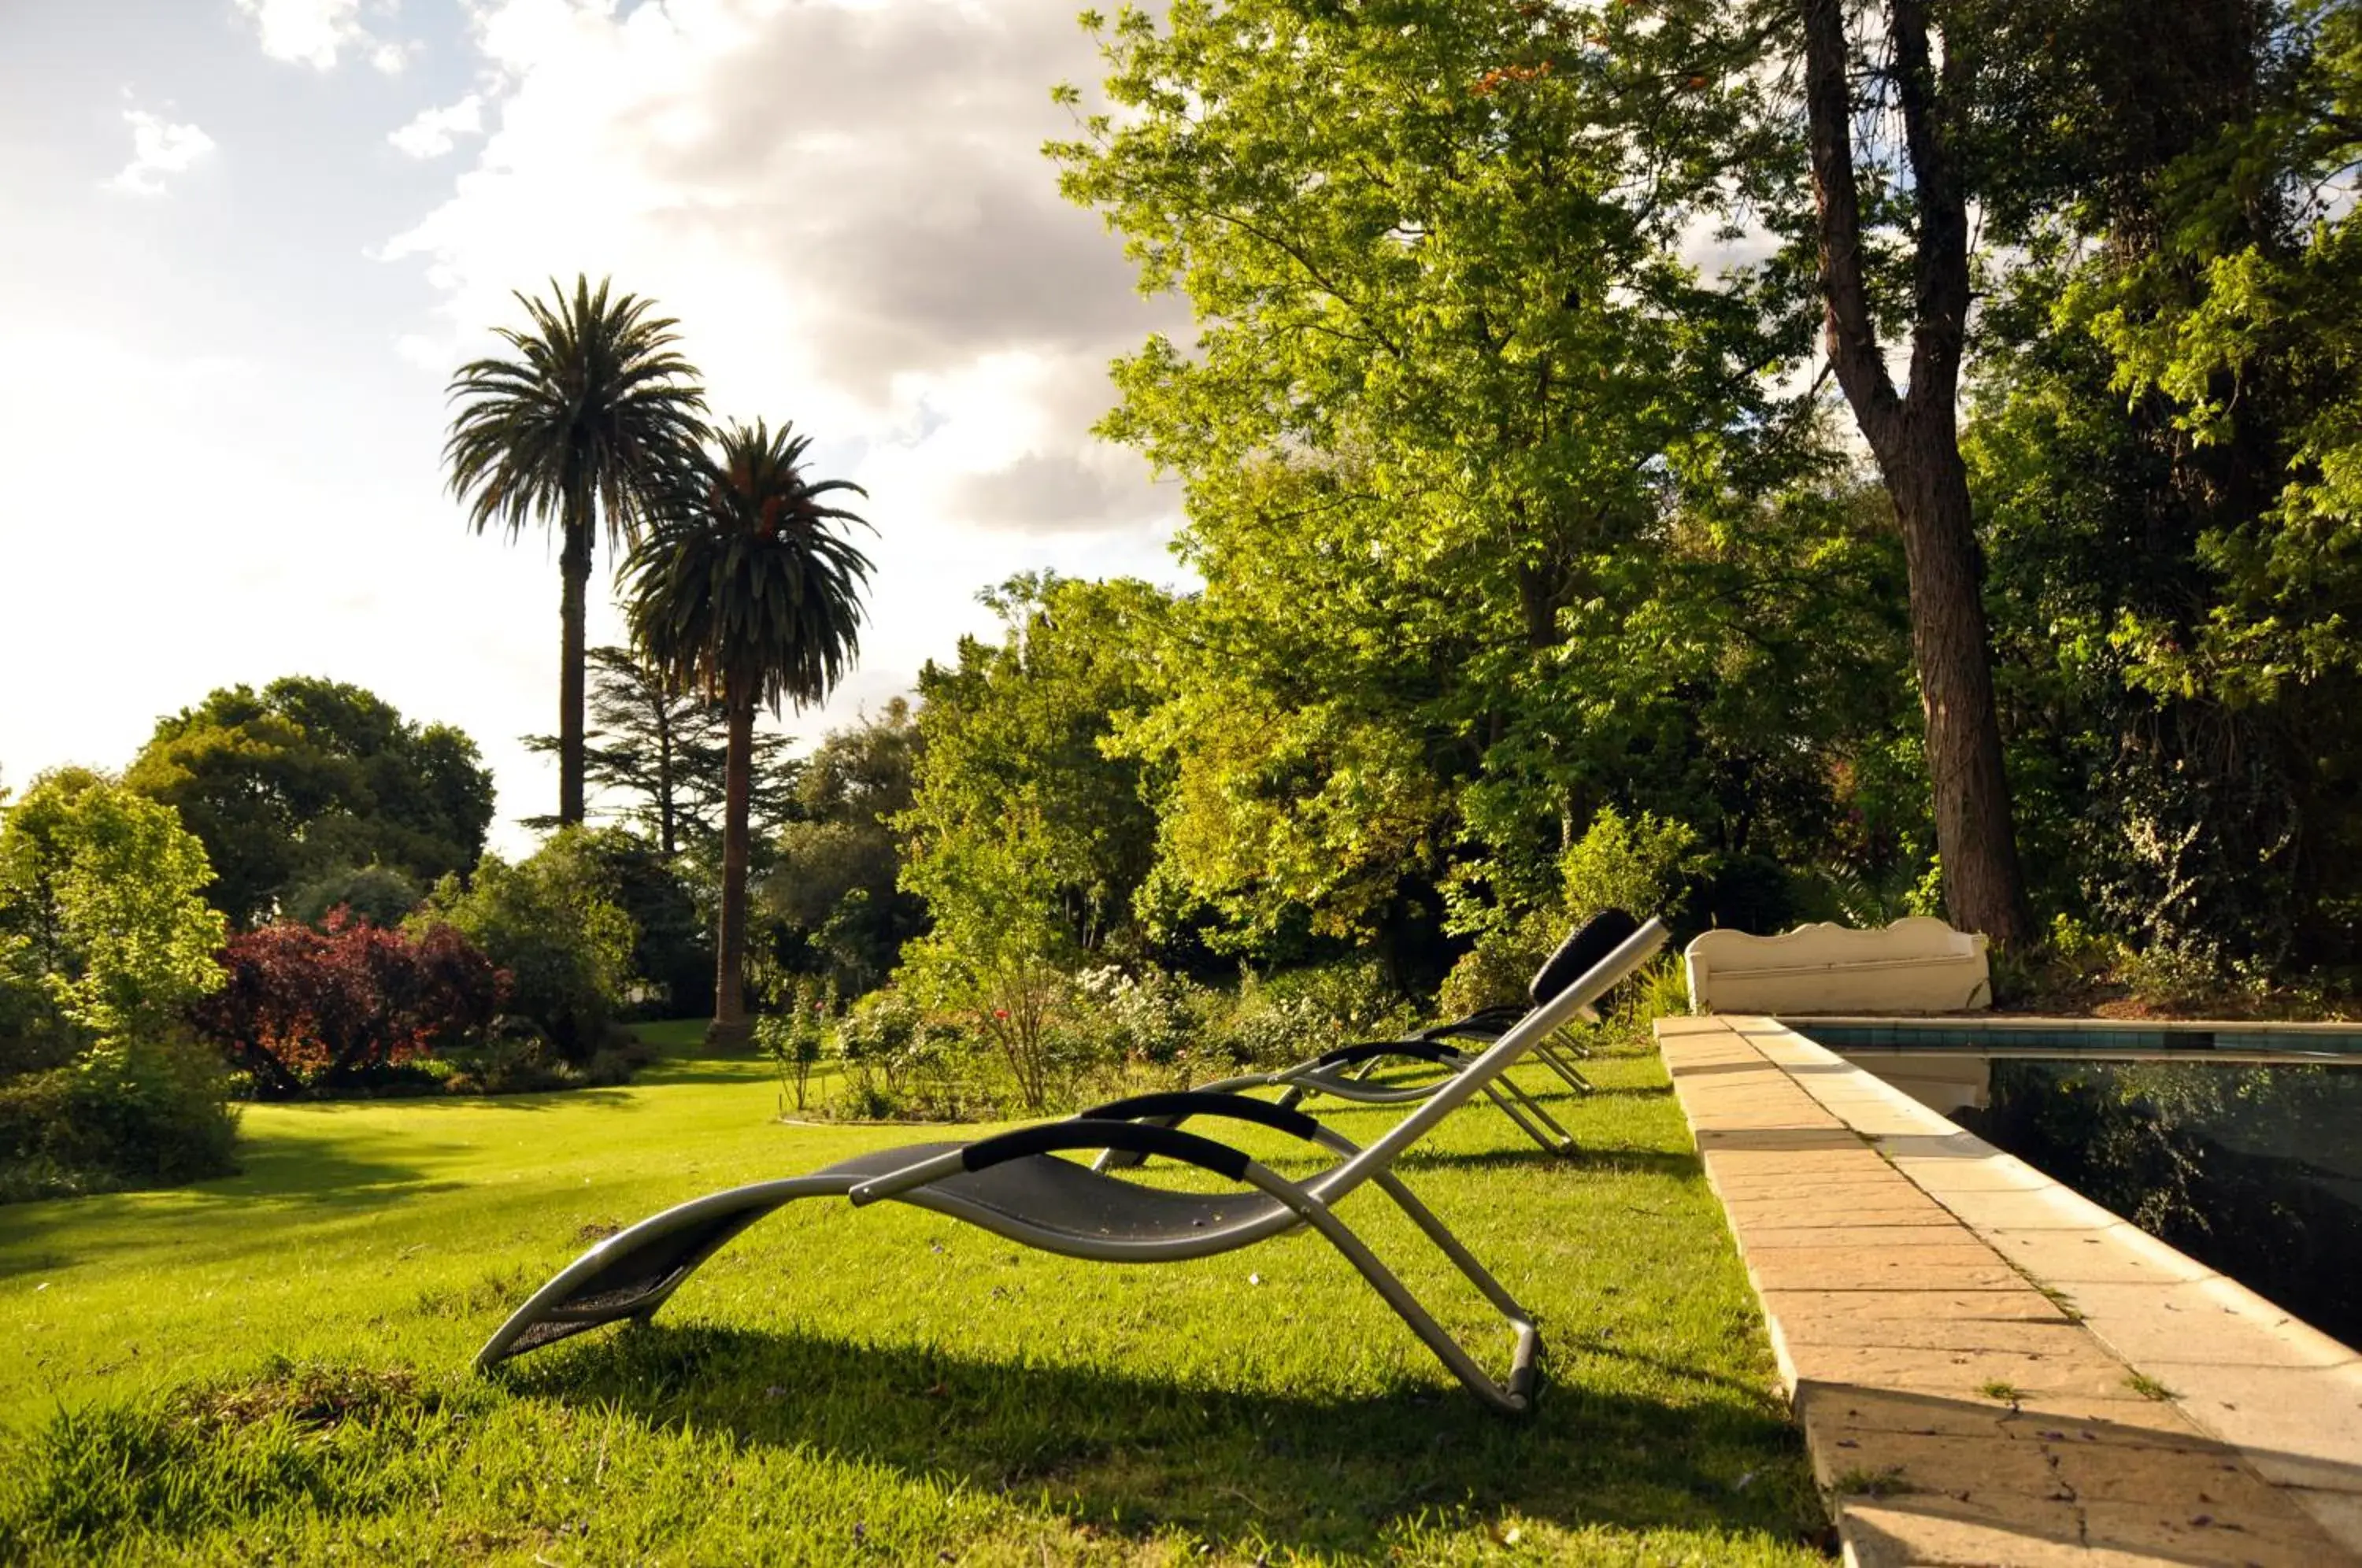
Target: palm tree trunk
(730,1026)
(574,567)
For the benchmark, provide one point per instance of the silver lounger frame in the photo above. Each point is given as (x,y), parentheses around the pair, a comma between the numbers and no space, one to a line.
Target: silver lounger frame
(1311,1203)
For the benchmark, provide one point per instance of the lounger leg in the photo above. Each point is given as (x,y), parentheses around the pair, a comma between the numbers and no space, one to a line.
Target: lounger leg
(634,1271)
(1513,1395)
(1568,1074)
(1531,1119)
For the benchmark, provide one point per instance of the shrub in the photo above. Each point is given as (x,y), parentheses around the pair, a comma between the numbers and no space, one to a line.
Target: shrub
(796,1039)
(901,1061)
(377,894)
(1642,864)
(553,921)
(1156,1018)
(1001,994)
(104,942)
(144,1115)
(306,1009)
(99,898)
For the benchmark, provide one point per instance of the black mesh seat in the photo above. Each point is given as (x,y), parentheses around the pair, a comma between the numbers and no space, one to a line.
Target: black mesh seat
(1046,1192)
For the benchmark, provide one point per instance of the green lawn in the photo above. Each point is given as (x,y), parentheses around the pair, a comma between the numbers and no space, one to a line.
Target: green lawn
(273,1367)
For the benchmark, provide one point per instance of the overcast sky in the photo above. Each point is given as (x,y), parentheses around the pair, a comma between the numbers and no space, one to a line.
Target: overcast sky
(243,243)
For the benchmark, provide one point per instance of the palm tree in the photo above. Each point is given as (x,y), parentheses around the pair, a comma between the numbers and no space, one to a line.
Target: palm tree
(741,590)
(581,427)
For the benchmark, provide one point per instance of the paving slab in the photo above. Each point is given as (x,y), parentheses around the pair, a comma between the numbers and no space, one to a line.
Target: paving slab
(1960,1336)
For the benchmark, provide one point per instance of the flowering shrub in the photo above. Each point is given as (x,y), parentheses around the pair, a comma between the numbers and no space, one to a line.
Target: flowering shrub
(310,1008)
(1155,1017)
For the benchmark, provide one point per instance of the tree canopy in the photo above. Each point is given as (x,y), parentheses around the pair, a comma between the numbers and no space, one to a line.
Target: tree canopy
(310,777)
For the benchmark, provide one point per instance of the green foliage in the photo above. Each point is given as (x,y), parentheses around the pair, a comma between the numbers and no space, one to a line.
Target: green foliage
(667,752)
(309,780)
(99,897)
(377,894)
(553,921)
(796,1038)
(1642,864)
(1497,521)
(581,424)
(743,591)
(104,942)
(130,1116)
(1016,797)
(830,896)
(672,949)
(1645,864)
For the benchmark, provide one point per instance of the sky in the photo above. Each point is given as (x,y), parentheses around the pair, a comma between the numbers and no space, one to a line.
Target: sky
(244,243)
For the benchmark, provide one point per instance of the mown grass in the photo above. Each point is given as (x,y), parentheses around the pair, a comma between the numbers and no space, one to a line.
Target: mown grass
(273,1367)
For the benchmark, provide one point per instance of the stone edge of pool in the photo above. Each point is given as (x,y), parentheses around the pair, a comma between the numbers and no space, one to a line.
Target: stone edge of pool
(1970,1345)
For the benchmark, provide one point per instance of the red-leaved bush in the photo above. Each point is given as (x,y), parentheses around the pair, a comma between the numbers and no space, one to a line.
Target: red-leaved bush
(307,1008)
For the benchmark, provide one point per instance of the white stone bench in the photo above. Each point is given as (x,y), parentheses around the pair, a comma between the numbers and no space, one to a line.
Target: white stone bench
(1916,964)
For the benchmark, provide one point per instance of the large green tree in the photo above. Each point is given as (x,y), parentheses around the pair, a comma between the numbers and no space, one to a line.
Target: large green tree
(1500,519)
(310,778)
(576,429)
(1907,69)
(2163,450)
(99,903)
(742,590)
(1017,728)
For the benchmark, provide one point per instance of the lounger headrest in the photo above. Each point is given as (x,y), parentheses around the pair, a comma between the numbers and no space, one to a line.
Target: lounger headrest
(1589,942)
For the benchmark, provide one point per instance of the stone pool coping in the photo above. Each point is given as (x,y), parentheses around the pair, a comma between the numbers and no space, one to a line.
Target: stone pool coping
(1969,1346)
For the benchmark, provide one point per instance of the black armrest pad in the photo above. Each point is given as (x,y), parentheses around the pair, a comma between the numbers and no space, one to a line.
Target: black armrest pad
(1413,1050)
(1134,1137)
(1180,1103)
(1581,952)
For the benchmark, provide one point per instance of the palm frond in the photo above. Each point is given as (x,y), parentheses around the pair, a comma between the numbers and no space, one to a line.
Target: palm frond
(740,586)
(582,426)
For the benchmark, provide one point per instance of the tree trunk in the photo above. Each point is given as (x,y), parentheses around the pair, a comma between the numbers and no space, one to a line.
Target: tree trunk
(574,567)
(730,1026)
(1915,438)
(1983,887)
(666,835)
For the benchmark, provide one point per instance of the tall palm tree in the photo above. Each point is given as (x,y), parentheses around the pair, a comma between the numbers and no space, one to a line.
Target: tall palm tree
(742,589)
(578,428)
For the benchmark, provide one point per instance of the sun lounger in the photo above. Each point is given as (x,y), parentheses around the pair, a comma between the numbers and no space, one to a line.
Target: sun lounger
(1014,1185)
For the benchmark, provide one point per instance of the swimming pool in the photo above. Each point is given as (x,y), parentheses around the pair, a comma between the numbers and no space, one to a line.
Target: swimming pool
(2239,1145)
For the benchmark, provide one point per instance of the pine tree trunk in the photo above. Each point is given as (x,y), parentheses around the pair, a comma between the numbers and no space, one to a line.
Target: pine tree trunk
(730,1026)
(666,834)
(574,567)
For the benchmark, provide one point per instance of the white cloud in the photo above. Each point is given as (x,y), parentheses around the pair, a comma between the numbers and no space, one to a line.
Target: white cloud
(159,147)
(847,207)
(314,32)
(436,131)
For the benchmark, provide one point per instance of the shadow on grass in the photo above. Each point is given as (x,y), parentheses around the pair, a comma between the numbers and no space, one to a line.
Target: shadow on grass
(1135,1454)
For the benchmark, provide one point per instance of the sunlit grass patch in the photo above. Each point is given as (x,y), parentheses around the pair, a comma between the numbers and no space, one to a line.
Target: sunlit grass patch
(274,1366)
